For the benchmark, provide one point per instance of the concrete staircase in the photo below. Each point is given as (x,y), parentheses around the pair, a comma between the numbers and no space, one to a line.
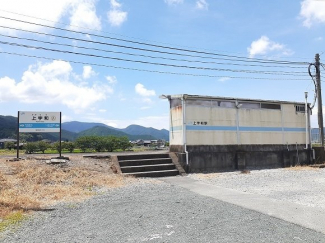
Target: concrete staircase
(147,165)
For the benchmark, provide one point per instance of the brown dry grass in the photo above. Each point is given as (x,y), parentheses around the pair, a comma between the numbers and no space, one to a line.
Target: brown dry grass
(301,167)
(207,176)
(34,185)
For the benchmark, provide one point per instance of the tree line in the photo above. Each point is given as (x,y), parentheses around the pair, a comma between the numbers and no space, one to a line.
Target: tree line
(85,144)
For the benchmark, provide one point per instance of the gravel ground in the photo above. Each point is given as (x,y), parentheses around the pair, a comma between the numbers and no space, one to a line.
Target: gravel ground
(302,185)
(158,212)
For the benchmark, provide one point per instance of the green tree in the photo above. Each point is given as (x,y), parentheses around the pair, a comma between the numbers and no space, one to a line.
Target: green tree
(31,147)
(85,143)
(9,145)
(123,143)
(98,143)
(110,143)
(56,146)
(42,146)
(69,146)
(25,137)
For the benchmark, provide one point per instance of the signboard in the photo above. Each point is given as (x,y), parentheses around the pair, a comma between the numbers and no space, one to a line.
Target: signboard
(39,121)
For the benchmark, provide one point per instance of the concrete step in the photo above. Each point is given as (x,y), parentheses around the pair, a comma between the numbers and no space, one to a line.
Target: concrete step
(124,163)
(161,173)
(142,156)
(143,168)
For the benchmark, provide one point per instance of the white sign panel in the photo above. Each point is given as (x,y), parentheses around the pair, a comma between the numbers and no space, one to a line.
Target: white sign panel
(39,121)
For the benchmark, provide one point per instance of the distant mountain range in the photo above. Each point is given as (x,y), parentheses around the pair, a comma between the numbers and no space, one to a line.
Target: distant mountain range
(74,129)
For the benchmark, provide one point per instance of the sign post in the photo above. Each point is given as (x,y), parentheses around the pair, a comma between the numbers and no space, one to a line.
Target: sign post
(38,122)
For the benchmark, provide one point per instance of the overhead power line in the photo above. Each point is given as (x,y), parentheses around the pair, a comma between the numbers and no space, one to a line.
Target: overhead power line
(149,50)
(110,33)
(154,63)
(152,71)
(148,56)
(160,46)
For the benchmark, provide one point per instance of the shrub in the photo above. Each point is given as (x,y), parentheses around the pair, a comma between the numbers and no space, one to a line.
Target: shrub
(123,143)
(69,146)
(84,143)
(31,147)
(9,145)
(42,146)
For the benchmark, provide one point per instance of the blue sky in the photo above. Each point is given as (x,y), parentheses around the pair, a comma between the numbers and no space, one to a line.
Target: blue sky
(248,32)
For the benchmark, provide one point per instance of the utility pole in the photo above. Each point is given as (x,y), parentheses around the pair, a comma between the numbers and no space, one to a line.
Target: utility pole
(320,103)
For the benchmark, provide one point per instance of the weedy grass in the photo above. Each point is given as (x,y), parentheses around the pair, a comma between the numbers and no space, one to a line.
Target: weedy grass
(11,219)
(37,186)
(8,152)
(301,167)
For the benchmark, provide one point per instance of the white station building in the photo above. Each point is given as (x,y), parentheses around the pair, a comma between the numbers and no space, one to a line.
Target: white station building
(219,133)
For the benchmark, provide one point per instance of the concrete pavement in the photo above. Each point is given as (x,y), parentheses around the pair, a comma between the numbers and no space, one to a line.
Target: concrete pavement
(309,217)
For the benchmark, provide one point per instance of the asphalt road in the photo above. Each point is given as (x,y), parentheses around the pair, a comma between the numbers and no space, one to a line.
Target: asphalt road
(157,212)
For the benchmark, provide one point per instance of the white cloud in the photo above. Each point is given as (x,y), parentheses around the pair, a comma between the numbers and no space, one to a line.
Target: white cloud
(173,2)
(88,72)
(51,83)
(141,90)
(224,79)
(66,118)
(102,110)
(264,46)
(115,4)
(312,11)
(147,100)
(51,10)
(116,17)
(158,122)
(202,4)
(80,12)
(111,79)
(83,14)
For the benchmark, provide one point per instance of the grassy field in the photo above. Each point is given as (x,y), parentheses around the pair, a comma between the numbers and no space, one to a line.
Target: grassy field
(33,185)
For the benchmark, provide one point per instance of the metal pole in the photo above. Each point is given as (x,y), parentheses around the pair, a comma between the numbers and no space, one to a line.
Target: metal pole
(18,136)
(320,103)
(60,136)
(306,114)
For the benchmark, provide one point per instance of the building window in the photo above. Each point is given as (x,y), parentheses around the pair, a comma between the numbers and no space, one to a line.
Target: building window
(270,106)
(300,108)
(248,105)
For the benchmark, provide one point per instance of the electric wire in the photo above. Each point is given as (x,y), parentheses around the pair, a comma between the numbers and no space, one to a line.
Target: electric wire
(147,56)
(152,71)
(56,22)
(315,84)
(151,63)
(160,46)
(148,50)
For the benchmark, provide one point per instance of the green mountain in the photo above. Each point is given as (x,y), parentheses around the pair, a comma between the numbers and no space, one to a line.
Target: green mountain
(76,127)
(140,130)
(8,129)
(107,131)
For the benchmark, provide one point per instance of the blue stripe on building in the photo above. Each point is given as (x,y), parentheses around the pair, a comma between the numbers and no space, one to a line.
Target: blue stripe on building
(241,129)
(210,128)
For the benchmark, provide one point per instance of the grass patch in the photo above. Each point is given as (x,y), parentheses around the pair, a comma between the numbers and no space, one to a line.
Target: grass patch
(36,186)
(10,152)
(12,219)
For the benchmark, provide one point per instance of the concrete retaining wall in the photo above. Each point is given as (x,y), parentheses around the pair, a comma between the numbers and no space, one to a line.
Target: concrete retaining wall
(238,157)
